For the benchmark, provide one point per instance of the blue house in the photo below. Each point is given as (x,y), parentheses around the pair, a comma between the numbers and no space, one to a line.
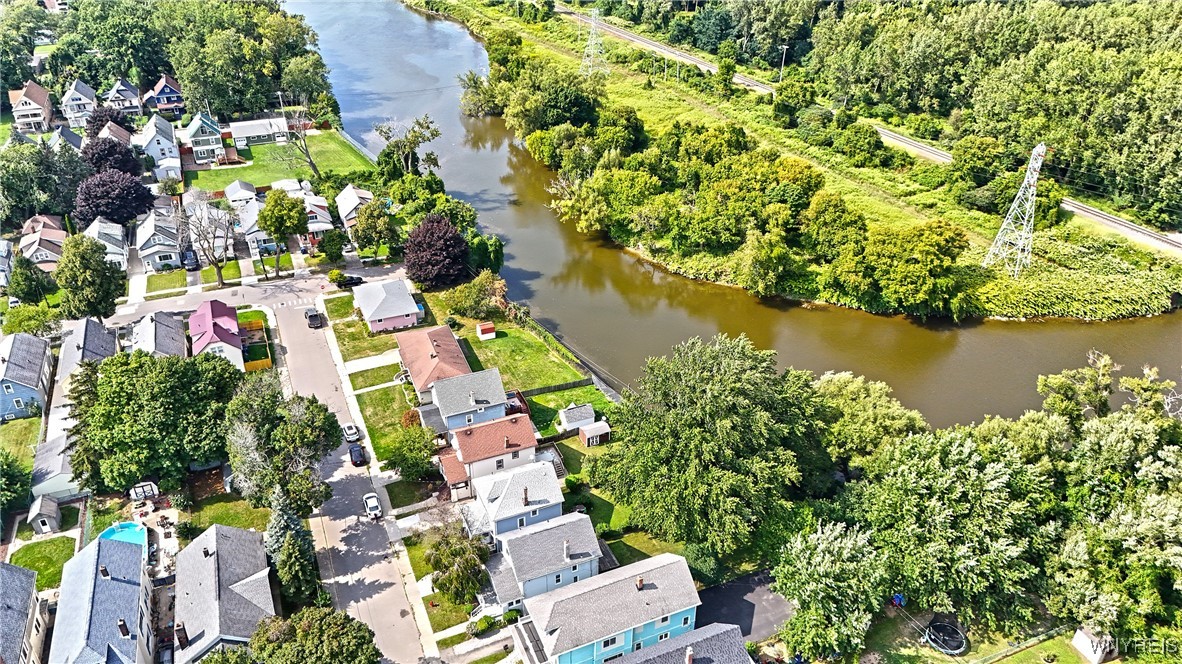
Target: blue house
(166,97)
(469,399)
(25,370)
(628,609)
(540,558)
(716,643)
(512,499)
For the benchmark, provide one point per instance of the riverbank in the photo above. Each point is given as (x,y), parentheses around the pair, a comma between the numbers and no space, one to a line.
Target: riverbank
(1077,274)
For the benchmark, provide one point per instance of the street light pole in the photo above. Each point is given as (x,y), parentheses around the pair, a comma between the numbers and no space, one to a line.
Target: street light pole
(783,55)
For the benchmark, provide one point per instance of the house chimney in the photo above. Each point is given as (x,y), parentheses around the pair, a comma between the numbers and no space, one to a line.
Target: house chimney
(689,655)
(205,552)
(182,636)
(123,631)
(640,583)
(506,442)
(525,496)
(103,572)
(566,549)
(472,398)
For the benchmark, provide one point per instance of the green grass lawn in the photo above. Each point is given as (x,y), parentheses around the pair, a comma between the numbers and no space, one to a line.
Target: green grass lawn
(375,376)
(20,438)
(44,49)
(230,271)
(896,641)
(416,553)
(252,314)
(339,307)
(255,352)
(229,509)
(5,126)
(382,410)
(525,362)
(1060,647)
(354,340)
(445,614)
(105,512)
(46,558)
(69,521)
(329,150)
(453,640)
(491,659)
(167,280)
(284,265)
(404,493)
(543,409)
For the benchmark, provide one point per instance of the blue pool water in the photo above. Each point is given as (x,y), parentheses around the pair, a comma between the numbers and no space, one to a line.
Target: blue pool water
(126,532)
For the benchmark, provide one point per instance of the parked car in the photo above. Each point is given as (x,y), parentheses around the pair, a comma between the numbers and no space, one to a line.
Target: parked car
(352,433)
(373,506)
(357,455)
(190,260)
(315,318)
(13,302)
(350,281)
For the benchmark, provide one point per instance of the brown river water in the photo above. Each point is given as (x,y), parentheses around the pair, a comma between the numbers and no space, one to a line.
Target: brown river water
(390,62)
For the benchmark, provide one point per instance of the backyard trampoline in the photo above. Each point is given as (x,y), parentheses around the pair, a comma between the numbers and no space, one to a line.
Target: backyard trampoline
(943,634)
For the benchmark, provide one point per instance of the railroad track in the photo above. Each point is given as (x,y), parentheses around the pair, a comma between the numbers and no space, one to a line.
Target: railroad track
(924,150)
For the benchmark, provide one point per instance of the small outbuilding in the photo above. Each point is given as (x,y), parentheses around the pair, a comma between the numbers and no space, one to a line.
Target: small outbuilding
(1092,647)
(486,331)
(44,515)
(574,416)
(596,433)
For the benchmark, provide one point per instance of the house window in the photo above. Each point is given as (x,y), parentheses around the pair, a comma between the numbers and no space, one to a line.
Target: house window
(500,464)
(685,621)
(520,522)
(609,643)
(480,410)
(558,578)
(574,580)
(663,636)
(533,512)
(574,568)
(638,646)
(468,419)
(165,257)
(517,455)
(608,659)
(9,416)
(593,440)
(18,403)
(664,620)
(8,388)
(44,523)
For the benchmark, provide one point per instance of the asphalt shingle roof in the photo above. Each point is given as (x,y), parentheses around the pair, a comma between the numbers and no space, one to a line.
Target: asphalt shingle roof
(430,355)
(384,299)
(22,357)
(543,548)
(518,490)
(513,433)
(19,585)
(466,393)
(66,135)
(90,606)
(576,413)
(160,334)
(716,643)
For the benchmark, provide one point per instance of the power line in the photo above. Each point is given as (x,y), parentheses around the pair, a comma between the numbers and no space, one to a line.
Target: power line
(1014,240)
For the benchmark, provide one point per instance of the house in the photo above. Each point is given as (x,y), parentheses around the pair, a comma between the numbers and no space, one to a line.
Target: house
(125,97)
(44,515)
(157,240)
(213,328)
(223,591)
(540,558)
(349,201)
(85,339)
(483,449)
(64,136)
(467,399)
(716,643)
(103,613)
(78,102)
(319,218)
(292,187)
(596,433)
(387,305)
(258,240)
(429,355)
(204,136)
(211,229)
(43,247)
(253,132)
(165,97)
(23,616)
(31,108)
(161,334)
(574,416)
(512,499)
(158,140)
(112,236)
(5,263)
(617,612)
(41,221)
(239,193)
(114,131)
(25,367)
(58,6)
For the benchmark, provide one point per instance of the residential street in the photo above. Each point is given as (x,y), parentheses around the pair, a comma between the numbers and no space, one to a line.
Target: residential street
(356,564)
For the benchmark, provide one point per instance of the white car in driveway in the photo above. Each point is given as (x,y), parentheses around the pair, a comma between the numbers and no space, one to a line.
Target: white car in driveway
(373,506)
(352,433)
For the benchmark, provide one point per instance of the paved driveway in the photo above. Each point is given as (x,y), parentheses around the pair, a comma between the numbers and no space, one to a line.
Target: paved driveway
(747,602)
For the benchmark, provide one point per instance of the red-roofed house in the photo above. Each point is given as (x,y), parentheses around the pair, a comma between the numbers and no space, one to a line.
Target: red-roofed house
(31,108)
(213,328)
(429,355)
(485,448)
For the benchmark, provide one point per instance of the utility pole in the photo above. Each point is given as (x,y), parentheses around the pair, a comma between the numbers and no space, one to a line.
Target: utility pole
(783,56)
(1012,245)
(593,51)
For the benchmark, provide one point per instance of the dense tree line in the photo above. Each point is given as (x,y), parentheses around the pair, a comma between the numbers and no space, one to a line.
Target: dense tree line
(1073,509)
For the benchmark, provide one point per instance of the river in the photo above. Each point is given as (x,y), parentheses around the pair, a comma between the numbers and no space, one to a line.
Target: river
(389,62)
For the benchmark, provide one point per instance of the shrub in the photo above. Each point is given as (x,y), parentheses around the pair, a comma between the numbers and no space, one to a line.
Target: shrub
(511,617)
(604,531)
(187,530)
(573,485)
(482,297)
(411,418)
(753,650)
(451,322)
(335,277)
(181,500)
(482,625)
(702,563)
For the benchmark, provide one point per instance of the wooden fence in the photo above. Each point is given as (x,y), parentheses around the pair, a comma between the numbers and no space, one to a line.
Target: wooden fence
(582,382)
(265,363)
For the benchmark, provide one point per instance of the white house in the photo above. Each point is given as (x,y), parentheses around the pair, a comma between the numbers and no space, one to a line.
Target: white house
(349,201)
(214,223)
(293,187)
(259,241)
(253,132)
(125,97)
(112,237)
(31,108)
(43,246)
(158,140)
(213,328)
(205,137)
(114,131)
(239,193)
(156,240)
(486,448)
(78,102)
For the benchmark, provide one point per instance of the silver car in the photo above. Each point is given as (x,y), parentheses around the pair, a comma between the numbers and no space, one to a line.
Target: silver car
(373,506)
(352,433)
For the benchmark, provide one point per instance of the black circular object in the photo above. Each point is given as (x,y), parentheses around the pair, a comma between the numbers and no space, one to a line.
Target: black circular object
(946,638)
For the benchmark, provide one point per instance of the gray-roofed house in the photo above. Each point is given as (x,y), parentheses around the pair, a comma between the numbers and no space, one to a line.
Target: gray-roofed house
(264,130)
(540,558)
(387,305)
(23,616)
(156,240)
(239,193)
(78,102)
(125,97)
(630,608)
(112,237)
(103,612)
(161,334)
(158,140)
(44,515)
(25,367)
(223,591)
(349,201)
(574,416)
(469,398)
(716,643)
(85,339)
(204,135)
(64,136)
(512,499)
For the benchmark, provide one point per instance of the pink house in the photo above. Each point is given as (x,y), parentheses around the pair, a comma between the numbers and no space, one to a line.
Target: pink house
(213,328)
(387,305)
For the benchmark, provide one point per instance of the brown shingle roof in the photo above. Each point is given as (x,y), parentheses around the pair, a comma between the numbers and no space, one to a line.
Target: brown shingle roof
(34,93)
(491,439)
(453,470)
(431,354)
(40,221)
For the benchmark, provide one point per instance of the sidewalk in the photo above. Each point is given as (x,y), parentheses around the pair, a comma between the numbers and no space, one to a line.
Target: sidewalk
(137,288)
(373,362)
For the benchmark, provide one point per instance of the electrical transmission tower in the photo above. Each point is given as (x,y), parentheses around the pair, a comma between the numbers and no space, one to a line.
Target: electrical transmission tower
(593,60)
(1011,247)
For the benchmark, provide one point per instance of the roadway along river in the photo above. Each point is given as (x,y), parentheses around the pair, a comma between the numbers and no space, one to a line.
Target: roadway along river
(388,61)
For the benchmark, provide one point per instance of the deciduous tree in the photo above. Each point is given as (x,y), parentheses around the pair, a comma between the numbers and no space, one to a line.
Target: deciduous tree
(436,253)
(103,154)
(317,635)
(90,284)
(14,481)
(101,116)
(212,231)
(33,319)
(281,216)
(112,194)
(458,561)
(29,283)
(864,415)
(375,227)
(403,145)
(332,243)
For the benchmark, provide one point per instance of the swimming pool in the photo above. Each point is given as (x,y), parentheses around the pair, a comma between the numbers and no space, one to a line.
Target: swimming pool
(126,532)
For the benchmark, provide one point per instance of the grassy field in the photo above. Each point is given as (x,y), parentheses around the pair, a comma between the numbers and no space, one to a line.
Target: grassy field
(229,509)
(339,308)
(543,408)
(453,640)
(491,659)
(70,513)
(5,126)
(329,150)
(230,272)
(375,376)
(105,512)
(355,340)
(285,265)
(416,553)
(896,641)
(443,613)
(20,438)
(46,558)
(382,410)
(404,493)
(167,280)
